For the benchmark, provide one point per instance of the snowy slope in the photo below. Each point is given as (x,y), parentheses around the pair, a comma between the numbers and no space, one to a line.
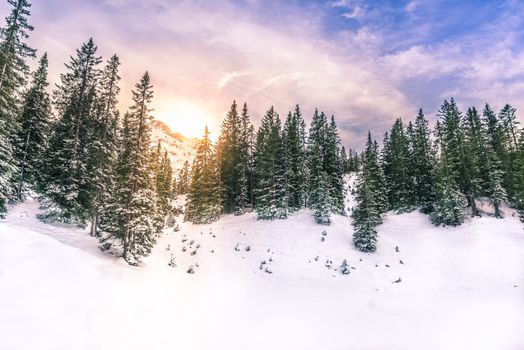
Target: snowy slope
(461,288)
(179,147)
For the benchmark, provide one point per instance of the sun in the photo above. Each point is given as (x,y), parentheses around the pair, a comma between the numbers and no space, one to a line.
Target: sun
(186,117)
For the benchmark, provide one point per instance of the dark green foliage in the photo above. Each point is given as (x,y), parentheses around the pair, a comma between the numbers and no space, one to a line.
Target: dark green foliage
(449,203)
(203,199)
(397,169)
(103,141)
(13,72)
(34,129)
(132,218)
(270,188)
(422,162)
(324,160)
(370,200)
(295,159)
(66,180)
(184,179)
(232,156)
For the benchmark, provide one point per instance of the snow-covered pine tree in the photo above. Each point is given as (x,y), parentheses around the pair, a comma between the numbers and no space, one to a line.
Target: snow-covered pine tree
(334,168)
(449,203)
(344,160)
(518,177)
(509,126)
(135,198)
(203,198)
(479,158)
(322,208)
(455,153)
(67,181)
(103,141)
(270,190)
(423,162)
(13,72)
(396,165)
(294,150)
(247,150)
(318,201)
(369,195)
(34,128)
(164,181)
(184,178)
(231,158)
(498,141)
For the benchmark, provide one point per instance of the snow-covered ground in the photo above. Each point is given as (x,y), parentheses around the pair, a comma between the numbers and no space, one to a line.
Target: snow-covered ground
(460,288)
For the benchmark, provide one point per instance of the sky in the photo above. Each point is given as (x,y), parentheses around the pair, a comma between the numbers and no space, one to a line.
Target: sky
(366,62)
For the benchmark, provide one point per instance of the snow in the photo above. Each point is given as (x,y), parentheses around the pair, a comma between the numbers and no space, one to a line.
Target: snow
(461,288)
(179,148)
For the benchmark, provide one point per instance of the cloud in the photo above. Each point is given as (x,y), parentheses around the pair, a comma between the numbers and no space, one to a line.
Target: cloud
(207,54)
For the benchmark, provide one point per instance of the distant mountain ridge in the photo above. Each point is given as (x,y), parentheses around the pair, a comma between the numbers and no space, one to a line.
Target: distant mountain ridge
(179,147)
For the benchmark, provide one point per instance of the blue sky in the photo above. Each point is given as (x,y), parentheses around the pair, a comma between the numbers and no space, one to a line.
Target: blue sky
(366,62)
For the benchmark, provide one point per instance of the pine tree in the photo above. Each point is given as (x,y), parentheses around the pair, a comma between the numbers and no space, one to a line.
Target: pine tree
(203,199)
(423,163)
(35,126)
(498,140)
(247,158)
(103,140)
(344,160)
(455,153)
(184,178)
(334,168)
(164,181)
(294,150)
(318,200)
(449,203)
(396,159)
(518,177)
(270,189)
(369,198)
(135,199)
(231,155)
(67,182)
(13,72)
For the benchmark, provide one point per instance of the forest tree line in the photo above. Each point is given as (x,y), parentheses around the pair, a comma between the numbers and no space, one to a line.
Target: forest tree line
(92,165)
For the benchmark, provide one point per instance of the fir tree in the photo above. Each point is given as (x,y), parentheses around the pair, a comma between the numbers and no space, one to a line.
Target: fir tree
(103,141)
(134,207)
(369,198)
(396,159)
(203,199)
(334,168)
(423,162)
(294,150)
(518,177)
(67,182)
(318,201)
(13,72)
(184,178)
(35,126)
(270,189)
(247,158)
(455,153)
(449,203)
(499,141)
(232,158)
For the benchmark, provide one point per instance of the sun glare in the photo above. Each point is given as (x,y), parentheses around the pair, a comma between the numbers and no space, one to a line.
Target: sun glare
(186,117)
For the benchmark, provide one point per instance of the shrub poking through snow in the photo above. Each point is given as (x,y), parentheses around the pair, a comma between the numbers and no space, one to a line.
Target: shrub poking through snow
(191,270)
(344,267)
